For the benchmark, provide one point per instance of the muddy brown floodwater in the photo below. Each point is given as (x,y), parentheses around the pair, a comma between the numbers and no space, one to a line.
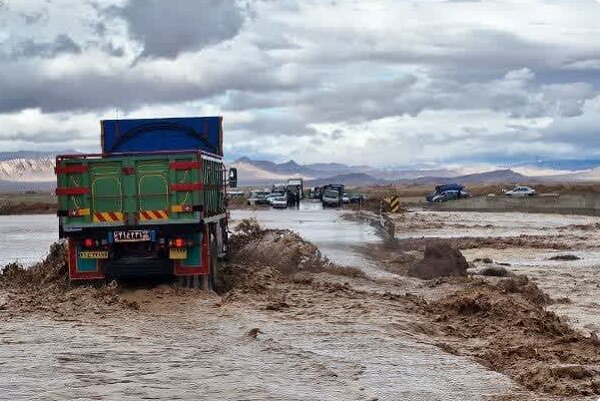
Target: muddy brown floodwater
(313,331)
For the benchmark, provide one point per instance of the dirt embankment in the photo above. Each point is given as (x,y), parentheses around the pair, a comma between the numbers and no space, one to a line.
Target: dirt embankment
(17,208)
(507,328)
(500,320)
(45,288)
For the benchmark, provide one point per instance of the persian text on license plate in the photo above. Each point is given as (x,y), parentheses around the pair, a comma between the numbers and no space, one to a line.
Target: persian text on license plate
(132,236)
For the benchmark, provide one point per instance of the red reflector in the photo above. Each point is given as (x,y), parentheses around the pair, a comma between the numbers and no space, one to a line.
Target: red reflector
(186,187)
(72,191)
(184,165)
(88,243)
(73,169)
(179,243)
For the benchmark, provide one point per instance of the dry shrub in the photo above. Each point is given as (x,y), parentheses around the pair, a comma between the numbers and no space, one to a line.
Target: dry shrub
(248,228)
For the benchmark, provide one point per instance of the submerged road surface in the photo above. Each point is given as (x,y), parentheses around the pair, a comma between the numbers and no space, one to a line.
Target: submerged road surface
(198,347)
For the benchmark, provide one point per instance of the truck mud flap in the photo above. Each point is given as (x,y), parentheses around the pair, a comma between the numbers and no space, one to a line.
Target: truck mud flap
(198,260)
(83,269)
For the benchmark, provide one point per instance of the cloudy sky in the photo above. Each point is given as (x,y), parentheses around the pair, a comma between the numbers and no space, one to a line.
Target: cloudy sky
(385,83)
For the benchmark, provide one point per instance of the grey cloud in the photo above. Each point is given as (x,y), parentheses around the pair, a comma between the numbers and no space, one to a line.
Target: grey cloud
(167,28)
(23,88)
(284,123)
(34,17)
(30,48)
(112,50)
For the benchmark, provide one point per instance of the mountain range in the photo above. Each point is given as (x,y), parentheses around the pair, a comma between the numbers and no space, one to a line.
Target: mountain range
(254,173)
(28,170)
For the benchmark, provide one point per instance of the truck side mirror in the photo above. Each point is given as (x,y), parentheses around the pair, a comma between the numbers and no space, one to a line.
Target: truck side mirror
(233,177)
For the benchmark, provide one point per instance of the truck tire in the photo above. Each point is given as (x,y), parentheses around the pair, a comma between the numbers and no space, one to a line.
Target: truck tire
(214,261)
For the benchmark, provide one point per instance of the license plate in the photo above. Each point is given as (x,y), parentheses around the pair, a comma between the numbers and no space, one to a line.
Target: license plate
(132,236)
(93,254)
(176,253)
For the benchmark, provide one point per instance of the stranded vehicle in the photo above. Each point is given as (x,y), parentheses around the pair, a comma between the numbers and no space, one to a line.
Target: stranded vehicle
(447,192)
(153,203)
(521,191)
(296,185)
(328,196)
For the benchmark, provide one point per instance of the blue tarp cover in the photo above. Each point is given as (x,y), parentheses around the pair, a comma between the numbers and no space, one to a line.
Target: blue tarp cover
(162,134)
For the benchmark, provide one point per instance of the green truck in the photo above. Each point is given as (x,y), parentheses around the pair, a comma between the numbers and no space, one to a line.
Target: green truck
(153,203)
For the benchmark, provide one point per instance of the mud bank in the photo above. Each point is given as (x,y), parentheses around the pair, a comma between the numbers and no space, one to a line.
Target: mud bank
(507,328)
(19,208)
(45,288)
(326,329)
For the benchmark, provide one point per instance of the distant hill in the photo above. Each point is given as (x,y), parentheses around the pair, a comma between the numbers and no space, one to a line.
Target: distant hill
(490,177)
(257,172)
(355,179)
(26,170)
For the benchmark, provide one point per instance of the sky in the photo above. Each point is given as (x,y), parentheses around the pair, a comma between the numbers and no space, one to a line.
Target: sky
(381,83)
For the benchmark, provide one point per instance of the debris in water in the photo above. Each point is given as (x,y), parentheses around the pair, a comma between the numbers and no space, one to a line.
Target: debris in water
(566,257)
(495,271)
(441,260)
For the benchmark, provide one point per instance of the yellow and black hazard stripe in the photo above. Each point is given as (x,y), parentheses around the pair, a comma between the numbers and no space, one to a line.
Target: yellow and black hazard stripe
(107,217)
(394,204)
(146,215)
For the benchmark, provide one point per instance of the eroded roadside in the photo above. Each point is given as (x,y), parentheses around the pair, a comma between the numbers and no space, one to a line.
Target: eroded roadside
(289,325)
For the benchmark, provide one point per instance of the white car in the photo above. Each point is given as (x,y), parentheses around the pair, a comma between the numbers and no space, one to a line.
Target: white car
(279,202)
(521,191)
(274,195)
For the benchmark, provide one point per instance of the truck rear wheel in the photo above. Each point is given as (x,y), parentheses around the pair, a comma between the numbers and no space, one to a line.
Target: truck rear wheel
(214,260)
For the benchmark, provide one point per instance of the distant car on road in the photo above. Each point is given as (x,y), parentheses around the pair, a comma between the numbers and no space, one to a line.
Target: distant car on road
(279,202)
(447,192)
(331,197)
(451,194)
(274,195)
(258,198)
(521,191)
(357,198)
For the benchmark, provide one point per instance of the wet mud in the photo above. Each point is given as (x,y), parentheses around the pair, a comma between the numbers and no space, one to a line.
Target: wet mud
(289,322)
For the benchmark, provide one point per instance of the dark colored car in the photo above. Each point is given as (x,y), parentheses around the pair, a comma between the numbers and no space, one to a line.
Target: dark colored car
(441,189)
(357,198)
(450,195)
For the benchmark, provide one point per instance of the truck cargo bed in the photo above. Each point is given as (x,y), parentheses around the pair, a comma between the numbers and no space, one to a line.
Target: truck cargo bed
(138,189)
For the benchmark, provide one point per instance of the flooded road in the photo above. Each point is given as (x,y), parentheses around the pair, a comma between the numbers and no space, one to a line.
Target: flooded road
(322,345)
(26,238)
(335,236)
(574,282)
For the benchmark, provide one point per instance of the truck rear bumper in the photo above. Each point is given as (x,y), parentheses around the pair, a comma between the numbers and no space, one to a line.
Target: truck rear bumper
(134,267)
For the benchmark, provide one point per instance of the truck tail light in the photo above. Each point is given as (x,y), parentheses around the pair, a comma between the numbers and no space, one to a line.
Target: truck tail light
(179,243)
(89,243)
